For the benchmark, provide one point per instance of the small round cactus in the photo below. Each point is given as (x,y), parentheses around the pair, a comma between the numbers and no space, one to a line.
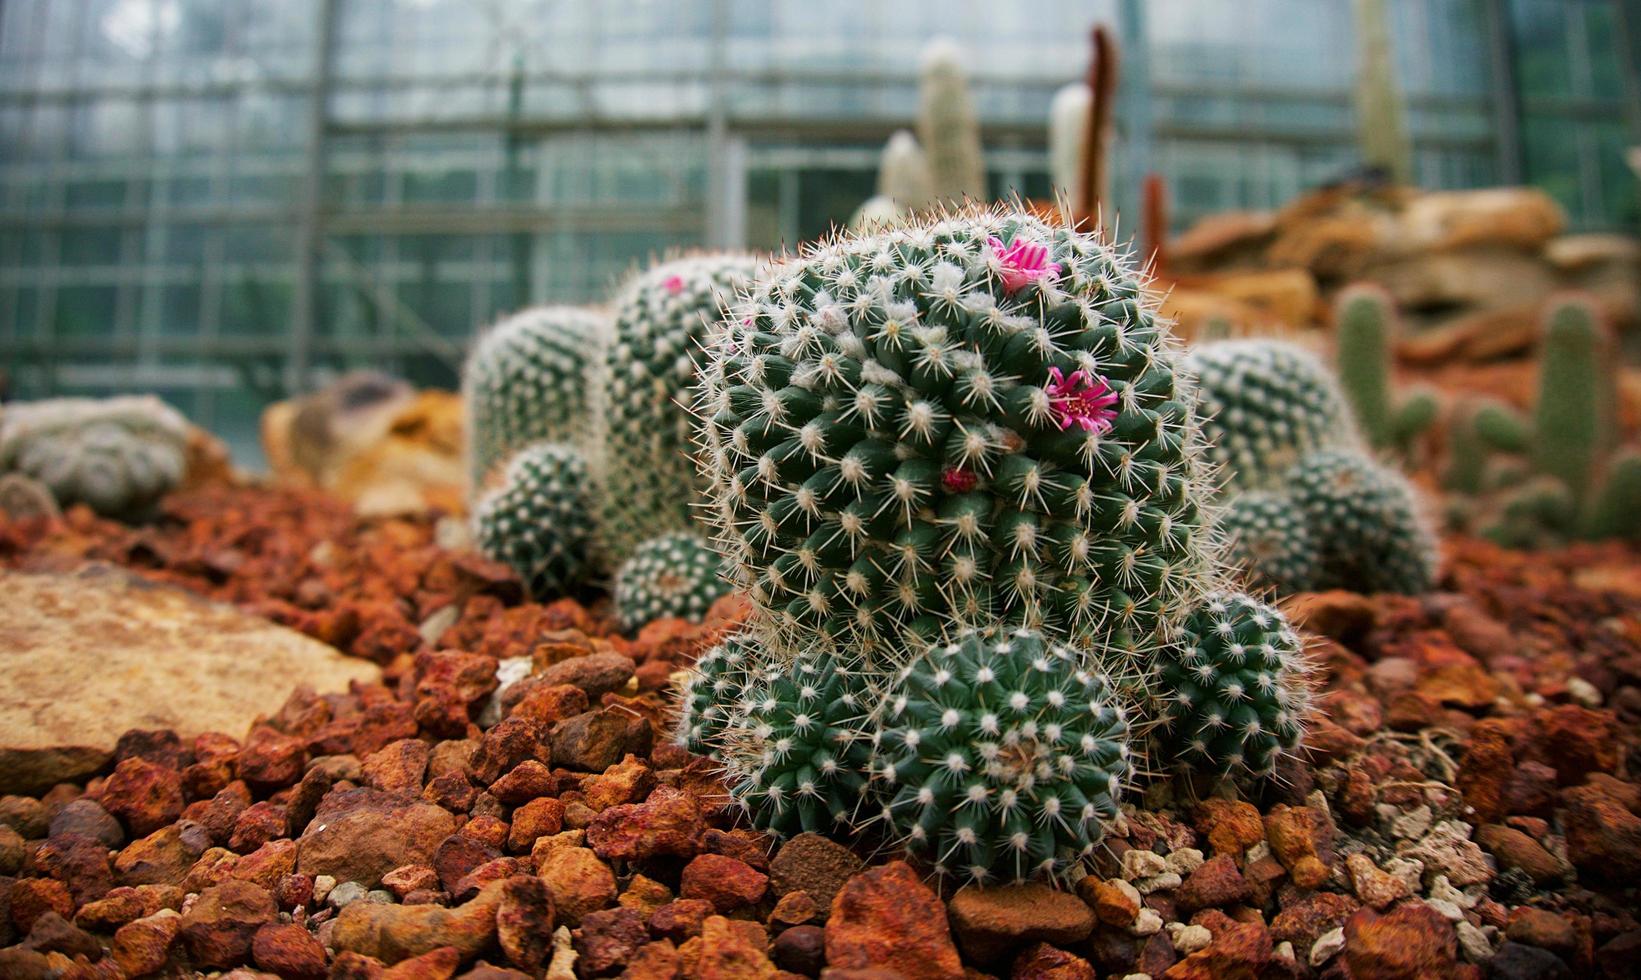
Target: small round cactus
(1001,759)
(645,381)
(1267,537)
(670,575)
(1234,695)
(119,456)
(1367,521)
(24,498)
(537,519)
(1264,406)
(800,753)
(713,695)
(526,382)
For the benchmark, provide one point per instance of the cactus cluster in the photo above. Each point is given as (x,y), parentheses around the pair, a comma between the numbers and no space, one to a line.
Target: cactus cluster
(958,473)
(537,518)
(1561,473)
(1306,506)
(118,456)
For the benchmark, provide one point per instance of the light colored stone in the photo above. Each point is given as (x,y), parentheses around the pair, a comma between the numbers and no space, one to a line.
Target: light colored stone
(1583,692)
(1473,942)
(1147,923)
(1142,864)
(1188,939)
(86,656)
(1327,946)
(1158,883)
(1184,861)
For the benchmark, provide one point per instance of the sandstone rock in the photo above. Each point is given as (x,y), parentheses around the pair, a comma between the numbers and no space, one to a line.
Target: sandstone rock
(392,933)
(1216,883)
(814,864)
(1513,849)
(886,917)
(90,655)
(525,919)
(1603,837)
(1300,838)
(1376,888)
(669,822)
(727,950)
(143,946)
(991,922)
(725,882)
(362,834)
(596,674)
(219,927)
(578,881)
(1040,961)
(1238,949)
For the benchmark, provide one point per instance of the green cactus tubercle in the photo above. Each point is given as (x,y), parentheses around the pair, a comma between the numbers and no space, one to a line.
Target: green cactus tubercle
(537,518)
(677,575)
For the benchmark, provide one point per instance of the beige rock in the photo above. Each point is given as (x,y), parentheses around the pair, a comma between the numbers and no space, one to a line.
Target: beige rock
(1481,277)
(89,655)
(1518,217)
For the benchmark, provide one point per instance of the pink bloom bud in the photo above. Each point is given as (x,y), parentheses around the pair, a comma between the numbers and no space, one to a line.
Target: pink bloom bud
(1023,262)
(1082,400)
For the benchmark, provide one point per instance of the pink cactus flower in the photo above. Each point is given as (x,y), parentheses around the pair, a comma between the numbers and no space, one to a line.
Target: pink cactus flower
(673,284)
(1082,399)
(956,479)
(1023,262)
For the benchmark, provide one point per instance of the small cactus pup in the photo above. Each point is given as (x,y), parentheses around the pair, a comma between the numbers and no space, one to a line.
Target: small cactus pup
(526,382)
(1235,692)
(1265,405)
(1574,424)
(647,375)
(1267,537)
(962,421)
(1001,758)
(1366,328)
(1615,509)
(118,456)
(675,575)
(536,517)
(1368,523)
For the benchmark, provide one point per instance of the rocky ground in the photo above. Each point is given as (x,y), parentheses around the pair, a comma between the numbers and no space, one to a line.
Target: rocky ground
(1466,810)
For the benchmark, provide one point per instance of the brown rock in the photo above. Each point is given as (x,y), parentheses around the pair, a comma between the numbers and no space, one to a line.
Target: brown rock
(219,926)
(52,933)
(1576,741)
(608,938)
(547,705)
(1544,929)
(1410,942)
(1514,849)
(267,865)
(992,922)
(1231,826)
(592,741)
(161,858)
(644,894)
(288,950)
(680,920)
(800,949)
(457,856)
(1603,837)
(362,834)
(34,897)
(398,767)
(725,882)
(596,674)
(1308,917)
(729,952)
(271,759)
(813,864)
(79,862)
(1301,839)
(1375,887)
(505,746)
(119,906)
(886,917)
(392,933)
(1113,904)
(578,881)
(1489,762)
(1040,961)
(626,782)
(525,920)
(142,947)
(535,819)
(1216,883)
(144,795)
(1238,950)
(669,822)
(89,819)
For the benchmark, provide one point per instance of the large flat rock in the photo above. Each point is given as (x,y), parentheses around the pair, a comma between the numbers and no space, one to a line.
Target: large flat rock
(89,655)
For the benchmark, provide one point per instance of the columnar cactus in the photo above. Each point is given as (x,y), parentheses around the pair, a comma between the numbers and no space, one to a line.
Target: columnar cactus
(1574,424)
(1002,757)
(1269,539)
(959,423)
(119,455)
(1234,695)
(1265,405)
(669,575)
(526,382)
(648,370)
(1366,328)
(947,126)
(1366,519)
(536,517)
(1068,122)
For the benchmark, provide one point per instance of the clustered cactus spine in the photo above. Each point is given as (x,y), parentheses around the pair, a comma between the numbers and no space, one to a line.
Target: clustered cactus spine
(118,456)
(674,575)
(537,518)
(1269,540)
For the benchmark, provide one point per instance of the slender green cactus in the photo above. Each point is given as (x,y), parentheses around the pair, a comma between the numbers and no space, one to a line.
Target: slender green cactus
(1368,522)
(1365,329)
(670,575)
(1267,536)
(1574,426)
(118,456)
(1001,757)
(1234,694)
(1502,427)
(648,372)
(1615,510)
(948,128)
(526,382)
(537,518)
(1417,412)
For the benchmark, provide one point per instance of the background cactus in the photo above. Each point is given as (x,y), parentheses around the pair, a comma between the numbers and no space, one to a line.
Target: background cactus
(1615,508)
(526,381)
(712,697)
(1068,122)
(903,184)
(1234,694)
(118,456)
(23,497)
(1366,329)
(648,474)
(1366,519)
(1001,757)
(537,518)
(947,126)
(669,575)
(1268,538)
(1574,420)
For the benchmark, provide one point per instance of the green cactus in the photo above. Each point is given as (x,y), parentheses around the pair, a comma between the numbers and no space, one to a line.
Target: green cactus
(1265,405)
(669,575)
(1502,427)
(947,126)
(1575,425)
(526,382)
(1536,512)
(799,756)
(537,518)
(713,697)
(1615,508)
(1001,758)
(1234,693)
(643,392)
(1367,519)
(1365,330)
(938,425)
(118,456)
(1267,536)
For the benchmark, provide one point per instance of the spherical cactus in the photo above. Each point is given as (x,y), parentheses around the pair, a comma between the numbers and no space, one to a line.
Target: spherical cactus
(119,456)
(799,755)
(1001,758)
(1267,537)
(24,498)
(670,575)
(537,519)
(1367,520)
(1234,694)
(647,375)
(961,421)
(713,694)
(526,382)
(1264,405)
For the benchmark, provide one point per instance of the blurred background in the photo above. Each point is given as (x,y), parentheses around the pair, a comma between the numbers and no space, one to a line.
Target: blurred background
(227,201)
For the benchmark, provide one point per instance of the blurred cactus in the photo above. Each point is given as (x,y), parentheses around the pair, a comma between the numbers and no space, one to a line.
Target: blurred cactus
(1380,126)
(118,456)
(1615,509)
(1103,71)
(536,518)
(903,184)
(1368,523)
(1574,419)
(673,575)
(947,126)
(1269,540)
(23,498)
(1367,328)
(1068,122)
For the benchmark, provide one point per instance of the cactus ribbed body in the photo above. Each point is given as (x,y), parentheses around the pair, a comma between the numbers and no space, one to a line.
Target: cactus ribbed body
(912,430)
(526,382)
(669,575)
(1266,535)
(1366,519)
(1001,758)
(1365,327)
(1233,693)
(1575,424)
(713,697)
(648,372)
(116,455)
(1264,406)
(537,518)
